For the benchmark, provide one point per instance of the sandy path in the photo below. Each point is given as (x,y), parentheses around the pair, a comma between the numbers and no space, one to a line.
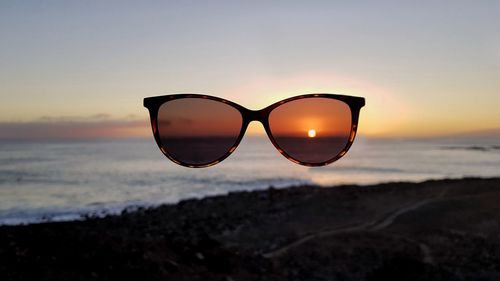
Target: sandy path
(374,225)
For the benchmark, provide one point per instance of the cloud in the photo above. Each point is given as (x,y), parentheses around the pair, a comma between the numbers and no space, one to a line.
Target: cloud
(93,118)
(75,127)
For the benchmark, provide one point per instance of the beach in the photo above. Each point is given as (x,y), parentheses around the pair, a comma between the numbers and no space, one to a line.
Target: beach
(433,230)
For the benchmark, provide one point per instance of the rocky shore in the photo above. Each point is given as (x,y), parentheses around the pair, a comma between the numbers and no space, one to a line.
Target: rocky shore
(435,230)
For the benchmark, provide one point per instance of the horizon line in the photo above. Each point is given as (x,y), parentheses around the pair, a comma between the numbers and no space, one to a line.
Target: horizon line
(107,128)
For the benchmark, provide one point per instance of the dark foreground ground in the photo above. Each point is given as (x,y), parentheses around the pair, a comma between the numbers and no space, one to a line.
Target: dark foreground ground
(436,230)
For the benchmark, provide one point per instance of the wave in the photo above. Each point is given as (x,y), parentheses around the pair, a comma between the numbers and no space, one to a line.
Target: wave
(365,169)
(10,161)
(473,147)
(250,182)
(17,177)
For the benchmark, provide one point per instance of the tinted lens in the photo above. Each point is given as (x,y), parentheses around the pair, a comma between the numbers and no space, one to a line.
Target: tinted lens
(311,130)
(198,131)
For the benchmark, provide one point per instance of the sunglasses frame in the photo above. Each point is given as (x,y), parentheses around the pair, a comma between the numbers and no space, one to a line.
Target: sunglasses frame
(153,104)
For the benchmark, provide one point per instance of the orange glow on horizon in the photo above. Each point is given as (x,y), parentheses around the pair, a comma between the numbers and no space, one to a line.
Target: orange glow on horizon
(389,113)
(385,113)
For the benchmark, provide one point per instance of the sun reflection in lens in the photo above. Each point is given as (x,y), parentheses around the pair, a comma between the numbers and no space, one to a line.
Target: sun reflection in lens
(311,133)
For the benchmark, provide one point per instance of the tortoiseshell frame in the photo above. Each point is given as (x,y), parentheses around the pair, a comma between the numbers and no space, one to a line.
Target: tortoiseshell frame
(153,104)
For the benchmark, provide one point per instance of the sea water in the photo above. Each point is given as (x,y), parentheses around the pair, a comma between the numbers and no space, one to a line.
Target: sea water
(61,180)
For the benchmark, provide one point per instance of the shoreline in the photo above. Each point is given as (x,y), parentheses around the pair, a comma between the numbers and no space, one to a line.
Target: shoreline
(51,217)
(434,230)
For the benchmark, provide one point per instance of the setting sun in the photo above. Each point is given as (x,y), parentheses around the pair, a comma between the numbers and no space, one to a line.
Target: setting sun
(311,133)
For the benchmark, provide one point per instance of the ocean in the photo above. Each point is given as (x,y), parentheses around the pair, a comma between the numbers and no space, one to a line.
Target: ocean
(63,180)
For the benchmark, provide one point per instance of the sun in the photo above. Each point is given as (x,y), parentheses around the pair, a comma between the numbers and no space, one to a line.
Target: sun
(311,133)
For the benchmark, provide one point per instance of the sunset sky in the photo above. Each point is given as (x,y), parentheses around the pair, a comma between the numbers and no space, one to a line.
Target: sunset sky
(82,68)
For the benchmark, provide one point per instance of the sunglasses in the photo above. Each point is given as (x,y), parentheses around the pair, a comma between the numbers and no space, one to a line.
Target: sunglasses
(199,131)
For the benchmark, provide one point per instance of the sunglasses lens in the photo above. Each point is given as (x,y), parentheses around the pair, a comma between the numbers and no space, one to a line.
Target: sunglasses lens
(311,130)
(198,131)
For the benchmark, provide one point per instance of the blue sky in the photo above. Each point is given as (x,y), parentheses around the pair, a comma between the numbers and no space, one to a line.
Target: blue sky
(426,68)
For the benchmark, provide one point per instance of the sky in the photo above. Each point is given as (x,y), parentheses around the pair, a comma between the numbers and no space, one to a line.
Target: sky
(81,68)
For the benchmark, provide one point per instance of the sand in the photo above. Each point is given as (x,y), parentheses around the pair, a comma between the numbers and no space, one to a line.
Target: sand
(435,230)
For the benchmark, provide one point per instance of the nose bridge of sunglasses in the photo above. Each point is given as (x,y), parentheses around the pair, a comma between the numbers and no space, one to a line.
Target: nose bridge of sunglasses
(255,115)
(252,117)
